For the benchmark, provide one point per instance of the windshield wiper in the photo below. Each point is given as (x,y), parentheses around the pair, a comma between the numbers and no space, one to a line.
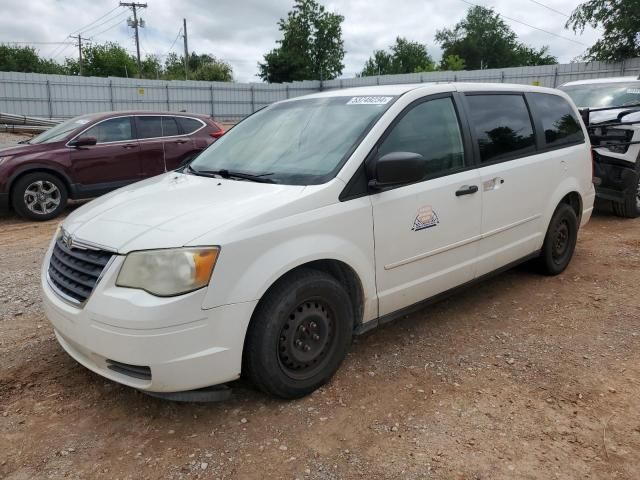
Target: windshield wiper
(224,173)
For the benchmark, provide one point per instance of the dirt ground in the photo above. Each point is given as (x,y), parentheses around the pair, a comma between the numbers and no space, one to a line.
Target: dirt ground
(522,377)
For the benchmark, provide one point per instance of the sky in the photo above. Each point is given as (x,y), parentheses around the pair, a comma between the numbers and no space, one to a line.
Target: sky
(242,31)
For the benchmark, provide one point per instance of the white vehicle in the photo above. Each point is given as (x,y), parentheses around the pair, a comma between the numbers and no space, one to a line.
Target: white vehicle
(314,219)
(612,108)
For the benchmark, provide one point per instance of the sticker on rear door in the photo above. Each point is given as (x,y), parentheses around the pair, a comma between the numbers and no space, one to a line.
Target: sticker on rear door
(369,100)
(426,218)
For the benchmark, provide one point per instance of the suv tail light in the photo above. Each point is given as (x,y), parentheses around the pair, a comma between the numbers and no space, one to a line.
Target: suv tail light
(220,131)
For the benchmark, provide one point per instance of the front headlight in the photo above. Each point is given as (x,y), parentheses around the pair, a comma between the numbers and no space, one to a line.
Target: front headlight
(166,273)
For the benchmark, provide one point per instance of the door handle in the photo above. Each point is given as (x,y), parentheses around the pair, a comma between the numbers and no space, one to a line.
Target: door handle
(129,145)
(181,141)
(467,190)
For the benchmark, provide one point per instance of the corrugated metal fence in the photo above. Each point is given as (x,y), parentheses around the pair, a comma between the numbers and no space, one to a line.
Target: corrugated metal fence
(59,96)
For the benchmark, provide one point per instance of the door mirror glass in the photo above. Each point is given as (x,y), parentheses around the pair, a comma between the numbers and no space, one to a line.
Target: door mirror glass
(398,168)
(84,141)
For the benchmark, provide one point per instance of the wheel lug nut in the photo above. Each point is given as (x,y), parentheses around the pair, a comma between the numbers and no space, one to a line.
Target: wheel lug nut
(316,337)
(307,348)
(298,343)
(303,329)
(313,325)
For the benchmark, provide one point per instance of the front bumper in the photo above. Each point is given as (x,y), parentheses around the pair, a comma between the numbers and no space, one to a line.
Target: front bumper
(182,346)
(617,179)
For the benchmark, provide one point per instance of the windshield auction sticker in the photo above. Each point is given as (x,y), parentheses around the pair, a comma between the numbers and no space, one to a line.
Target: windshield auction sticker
(369,100)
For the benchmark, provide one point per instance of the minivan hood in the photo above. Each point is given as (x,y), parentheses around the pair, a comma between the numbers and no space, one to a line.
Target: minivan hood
(173,209)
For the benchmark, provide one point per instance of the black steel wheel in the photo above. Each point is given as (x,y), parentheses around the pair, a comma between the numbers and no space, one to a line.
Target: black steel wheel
(299,334)
(560,241)
(307,339)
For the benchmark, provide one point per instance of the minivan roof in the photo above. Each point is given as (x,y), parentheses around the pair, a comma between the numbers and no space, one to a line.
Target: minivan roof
(395,89)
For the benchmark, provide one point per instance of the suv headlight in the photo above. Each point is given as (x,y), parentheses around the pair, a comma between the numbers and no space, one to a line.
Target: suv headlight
(167,273)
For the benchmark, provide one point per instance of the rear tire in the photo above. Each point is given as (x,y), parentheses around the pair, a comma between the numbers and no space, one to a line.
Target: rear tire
(560,241)
(630,206)
(39,196)
(299,334)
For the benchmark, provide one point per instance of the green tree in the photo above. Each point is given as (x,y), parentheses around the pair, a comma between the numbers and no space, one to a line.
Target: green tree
(404,57)
(151,67)
(483,40)
(531,57)
(104,60)
(201,67)
(452,63)
(311,48)
(27,60)
(620,23)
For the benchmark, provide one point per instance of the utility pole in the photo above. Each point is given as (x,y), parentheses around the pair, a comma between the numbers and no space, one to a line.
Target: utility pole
(79,38)
(135,24)
(186,49)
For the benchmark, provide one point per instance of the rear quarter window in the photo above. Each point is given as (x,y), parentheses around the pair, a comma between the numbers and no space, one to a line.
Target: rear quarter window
(559,122)
(502,126)
(189,125)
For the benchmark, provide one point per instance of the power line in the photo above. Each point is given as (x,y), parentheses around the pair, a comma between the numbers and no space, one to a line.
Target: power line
(118,17)
(550,8)
(174,42)
(89,26)
(96,20)
(110,27)
(62,51)
(37,43)
(530,26)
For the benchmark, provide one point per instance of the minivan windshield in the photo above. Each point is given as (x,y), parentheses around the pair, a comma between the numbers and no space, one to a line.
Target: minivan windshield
(60,131)
(614,94)
(300,142)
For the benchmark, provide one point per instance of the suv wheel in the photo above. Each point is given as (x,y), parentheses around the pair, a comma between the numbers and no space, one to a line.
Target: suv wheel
(299,335)
(39,196)
(630,206)
(560,241)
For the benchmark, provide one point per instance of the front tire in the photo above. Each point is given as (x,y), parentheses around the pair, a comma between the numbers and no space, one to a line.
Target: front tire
(299,334)
(630,206)
(560,241)
(39,196)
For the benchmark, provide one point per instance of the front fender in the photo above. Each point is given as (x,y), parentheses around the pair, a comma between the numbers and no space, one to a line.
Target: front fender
(342,231)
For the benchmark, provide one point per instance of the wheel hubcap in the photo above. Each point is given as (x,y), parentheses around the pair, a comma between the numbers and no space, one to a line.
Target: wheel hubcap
(306,339)
(561,240)
(42,197)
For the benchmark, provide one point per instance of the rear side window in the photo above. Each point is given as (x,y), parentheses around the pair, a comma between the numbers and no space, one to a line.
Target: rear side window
(559,122)
(169,127)
(431,129)
(149,127)
(189,125)
(112,130)
(502,126)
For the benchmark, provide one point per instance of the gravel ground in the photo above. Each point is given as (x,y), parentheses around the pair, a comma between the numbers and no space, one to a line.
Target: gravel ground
(11,138)
(524,376)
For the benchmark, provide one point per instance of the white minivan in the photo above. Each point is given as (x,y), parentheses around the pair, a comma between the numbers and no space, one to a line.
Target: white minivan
(312,220)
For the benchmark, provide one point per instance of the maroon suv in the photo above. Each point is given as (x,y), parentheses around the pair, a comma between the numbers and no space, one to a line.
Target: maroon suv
(93,154)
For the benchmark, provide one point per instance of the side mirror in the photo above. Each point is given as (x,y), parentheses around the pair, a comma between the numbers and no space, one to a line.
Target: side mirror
(83,142)
(397,168)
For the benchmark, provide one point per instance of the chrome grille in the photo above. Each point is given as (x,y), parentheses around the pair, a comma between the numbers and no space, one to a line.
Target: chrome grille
(74,271)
